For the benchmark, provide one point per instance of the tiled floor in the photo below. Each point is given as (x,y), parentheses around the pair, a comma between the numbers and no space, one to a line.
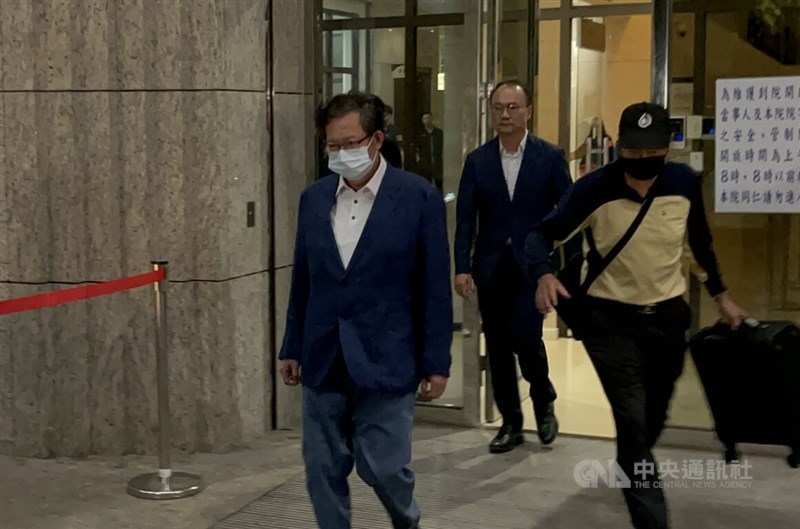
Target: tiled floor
(461,486)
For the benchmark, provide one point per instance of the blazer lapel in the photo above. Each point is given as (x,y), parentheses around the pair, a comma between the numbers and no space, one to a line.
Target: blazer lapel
(379,217)
(499,175)
(328,238)
(529,158)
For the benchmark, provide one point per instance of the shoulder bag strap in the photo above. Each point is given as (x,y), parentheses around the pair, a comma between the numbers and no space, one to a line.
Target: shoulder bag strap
(593,274)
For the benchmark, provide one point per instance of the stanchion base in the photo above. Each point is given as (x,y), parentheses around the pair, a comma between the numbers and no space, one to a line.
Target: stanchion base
(152,487)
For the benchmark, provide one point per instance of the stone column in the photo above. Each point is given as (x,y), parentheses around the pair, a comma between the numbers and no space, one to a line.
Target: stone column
(133,130)
(295,159)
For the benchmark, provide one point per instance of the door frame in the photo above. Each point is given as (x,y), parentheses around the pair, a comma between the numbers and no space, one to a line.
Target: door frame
(469,414)
(484,25)
(411,21)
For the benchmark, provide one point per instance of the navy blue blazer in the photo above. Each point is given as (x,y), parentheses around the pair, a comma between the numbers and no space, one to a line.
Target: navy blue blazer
(484,205)
(391,311)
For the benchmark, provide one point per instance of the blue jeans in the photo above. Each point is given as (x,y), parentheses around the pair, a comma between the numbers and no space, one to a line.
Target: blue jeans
(343,426)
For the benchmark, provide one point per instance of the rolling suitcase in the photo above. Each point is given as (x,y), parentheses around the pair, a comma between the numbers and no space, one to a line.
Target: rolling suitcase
(751,379)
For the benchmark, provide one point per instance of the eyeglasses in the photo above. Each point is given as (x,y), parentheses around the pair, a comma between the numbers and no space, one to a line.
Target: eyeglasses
(498,108)
(349,146)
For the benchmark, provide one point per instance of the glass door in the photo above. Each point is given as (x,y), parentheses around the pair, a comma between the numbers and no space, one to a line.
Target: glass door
(421,57)
(759,254)
(593,59)
(444,128)
(610,63)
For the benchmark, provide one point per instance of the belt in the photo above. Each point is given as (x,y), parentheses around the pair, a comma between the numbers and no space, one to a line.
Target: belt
(649,309)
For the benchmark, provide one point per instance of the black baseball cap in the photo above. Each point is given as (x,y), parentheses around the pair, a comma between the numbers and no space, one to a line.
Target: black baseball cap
(644,126)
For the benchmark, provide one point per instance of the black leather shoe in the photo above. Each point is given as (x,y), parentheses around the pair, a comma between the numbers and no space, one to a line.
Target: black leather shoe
(547,426)
(505,441)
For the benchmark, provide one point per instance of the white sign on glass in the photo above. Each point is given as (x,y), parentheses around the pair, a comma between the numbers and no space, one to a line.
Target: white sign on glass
(758,145)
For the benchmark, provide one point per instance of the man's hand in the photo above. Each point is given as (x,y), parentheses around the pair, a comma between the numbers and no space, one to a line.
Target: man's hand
(290,371)
(433,387)
(731,313)
(547,292)
(465,286)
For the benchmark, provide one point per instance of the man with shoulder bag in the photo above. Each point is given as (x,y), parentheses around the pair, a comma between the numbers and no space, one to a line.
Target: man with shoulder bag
(625,296)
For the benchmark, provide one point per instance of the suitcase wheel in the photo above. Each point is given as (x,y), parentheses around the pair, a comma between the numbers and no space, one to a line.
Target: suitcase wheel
(731,454)
(794,460)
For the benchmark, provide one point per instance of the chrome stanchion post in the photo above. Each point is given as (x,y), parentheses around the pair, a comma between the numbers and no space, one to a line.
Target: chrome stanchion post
(164,484)
(589,153)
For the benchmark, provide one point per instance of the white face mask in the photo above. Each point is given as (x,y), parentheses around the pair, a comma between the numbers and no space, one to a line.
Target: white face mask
(352,164)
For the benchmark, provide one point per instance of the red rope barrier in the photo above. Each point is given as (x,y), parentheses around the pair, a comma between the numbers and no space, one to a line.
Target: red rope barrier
(60,297)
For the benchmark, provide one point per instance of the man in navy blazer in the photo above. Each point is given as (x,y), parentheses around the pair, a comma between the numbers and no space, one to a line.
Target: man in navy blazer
(507,186)
(370,315)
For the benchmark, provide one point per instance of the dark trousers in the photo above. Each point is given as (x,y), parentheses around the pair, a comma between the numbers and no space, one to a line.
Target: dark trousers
(433,176)
(346,426)
(511,324)
(638,357)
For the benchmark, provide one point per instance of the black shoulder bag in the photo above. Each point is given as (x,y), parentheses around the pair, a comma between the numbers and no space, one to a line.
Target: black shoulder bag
(575,311)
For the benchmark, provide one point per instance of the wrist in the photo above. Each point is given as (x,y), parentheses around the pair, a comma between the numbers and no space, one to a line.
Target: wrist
(545,277)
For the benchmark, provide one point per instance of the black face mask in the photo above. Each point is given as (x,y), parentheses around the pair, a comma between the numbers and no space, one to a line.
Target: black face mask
(643,168)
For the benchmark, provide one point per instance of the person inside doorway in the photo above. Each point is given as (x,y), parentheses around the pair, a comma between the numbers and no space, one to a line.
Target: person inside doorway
(635,319)
(430,152)
(602,148)
(507,186)
(392,130)
(390,150)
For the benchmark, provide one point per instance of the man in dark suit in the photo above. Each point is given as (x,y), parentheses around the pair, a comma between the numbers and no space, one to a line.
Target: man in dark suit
(430,152)
(392,130)
(370,315)
(507,186)
(391,153)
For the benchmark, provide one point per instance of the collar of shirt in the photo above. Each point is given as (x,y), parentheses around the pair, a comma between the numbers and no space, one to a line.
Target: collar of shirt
(520,150)
(372,186)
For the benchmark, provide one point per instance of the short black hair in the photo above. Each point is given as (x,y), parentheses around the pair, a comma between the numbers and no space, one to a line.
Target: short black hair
(388,111)
(370,109)
(515,83)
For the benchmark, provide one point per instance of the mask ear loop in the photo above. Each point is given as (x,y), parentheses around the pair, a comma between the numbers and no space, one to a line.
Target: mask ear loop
(370,145)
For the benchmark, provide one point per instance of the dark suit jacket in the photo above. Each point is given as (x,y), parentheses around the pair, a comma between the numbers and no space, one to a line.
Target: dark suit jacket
(391,152)
(484,206)
(430,147)
(391,311)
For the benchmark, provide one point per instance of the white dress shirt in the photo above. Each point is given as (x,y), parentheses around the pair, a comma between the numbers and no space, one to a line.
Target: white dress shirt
(512,161)
(351,211)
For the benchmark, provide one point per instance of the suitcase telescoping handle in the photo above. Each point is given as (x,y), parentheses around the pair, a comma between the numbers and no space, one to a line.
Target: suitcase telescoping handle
(751,322)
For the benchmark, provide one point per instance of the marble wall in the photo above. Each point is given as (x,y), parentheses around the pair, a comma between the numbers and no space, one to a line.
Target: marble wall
(295,159)
(133,130)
